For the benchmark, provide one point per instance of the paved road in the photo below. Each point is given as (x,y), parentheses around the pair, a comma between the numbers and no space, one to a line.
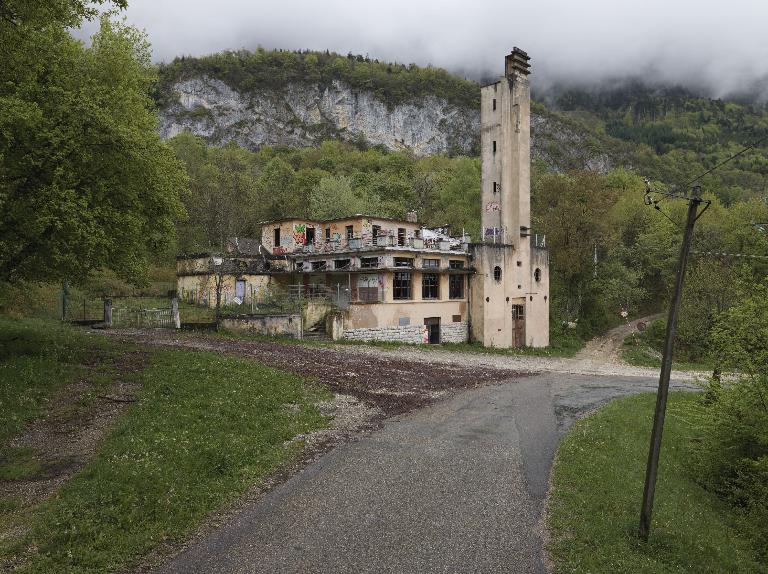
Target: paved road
(456,487)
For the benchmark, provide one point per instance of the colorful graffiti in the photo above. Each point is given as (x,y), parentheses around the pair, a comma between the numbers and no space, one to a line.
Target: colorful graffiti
(492,232)
(299,233)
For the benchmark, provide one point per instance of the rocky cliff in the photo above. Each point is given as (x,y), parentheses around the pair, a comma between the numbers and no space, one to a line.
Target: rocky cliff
(303,115)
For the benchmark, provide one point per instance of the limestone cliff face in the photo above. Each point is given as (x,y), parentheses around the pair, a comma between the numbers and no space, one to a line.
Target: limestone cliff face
(301,115)
(304,115)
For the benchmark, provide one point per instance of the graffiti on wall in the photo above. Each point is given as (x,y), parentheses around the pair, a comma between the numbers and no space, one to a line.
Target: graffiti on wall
(299,233)
(492,206)
(492,232)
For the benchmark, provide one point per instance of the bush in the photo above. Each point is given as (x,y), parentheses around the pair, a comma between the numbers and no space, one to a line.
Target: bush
(730,455)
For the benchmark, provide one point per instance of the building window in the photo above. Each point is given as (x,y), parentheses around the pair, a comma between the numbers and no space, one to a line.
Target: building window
(455,264)
(376,231)
(430,286)
(341,264)
(494,104)
(403,262)
(430,263)
(401,285)
(350,232)
(401,236)
(318,266)
(537,275)
(457,318)
(277,237)
(497,273)
(369,262)
(327,233)
(494,187)
(494,146)
(456,286)
(310,235)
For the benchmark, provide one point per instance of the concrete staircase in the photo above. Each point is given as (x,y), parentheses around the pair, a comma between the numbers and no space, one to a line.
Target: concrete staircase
(317,333)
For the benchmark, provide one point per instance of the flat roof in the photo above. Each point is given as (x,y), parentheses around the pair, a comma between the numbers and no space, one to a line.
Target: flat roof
(320,221)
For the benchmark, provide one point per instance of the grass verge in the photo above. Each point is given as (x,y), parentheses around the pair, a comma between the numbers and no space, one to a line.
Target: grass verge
(638,352)
(204,429)
(594,505)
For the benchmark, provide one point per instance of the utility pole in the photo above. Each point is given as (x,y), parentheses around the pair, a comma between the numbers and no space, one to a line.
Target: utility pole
(694,200)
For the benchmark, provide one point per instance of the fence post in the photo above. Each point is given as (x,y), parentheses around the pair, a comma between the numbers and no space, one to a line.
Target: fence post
(107,312)
(175,312)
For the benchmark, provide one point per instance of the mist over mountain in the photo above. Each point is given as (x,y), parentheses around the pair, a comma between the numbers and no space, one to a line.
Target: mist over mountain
(713,49)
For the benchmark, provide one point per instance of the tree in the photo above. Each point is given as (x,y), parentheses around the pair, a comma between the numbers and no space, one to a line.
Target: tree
(334,197)
(85,181)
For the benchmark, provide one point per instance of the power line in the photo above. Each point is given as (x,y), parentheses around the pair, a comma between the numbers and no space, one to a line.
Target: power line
(734,156)
(719,254)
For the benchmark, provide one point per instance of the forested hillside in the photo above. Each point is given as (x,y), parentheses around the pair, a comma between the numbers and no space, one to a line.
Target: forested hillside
(590,155)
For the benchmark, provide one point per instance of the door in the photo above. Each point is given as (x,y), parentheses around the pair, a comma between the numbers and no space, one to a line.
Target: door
(310,235)
(518,325)
(240,290)
(433,330)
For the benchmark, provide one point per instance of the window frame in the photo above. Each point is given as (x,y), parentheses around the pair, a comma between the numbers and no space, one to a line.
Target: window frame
(402,285)
(433,263)
(454,282)
(430,286)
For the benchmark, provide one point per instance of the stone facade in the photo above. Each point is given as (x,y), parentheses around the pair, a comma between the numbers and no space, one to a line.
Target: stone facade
(415,334)
(454,332)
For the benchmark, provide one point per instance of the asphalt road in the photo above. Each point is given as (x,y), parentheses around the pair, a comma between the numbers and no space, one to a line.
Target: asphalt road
(455,487)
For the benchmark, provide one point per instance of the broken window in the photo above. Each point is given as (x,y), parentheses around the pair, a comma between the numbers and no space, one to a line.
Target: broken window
(401,285)
(430,263)
(276,241)
(456,286)
(455,264)
(318,265)
(350,232)
(310,235)
(430,286)
(497,273)
(537,275)
(327,233)
(369,262)
(401,236)
(403,261)
(341,264)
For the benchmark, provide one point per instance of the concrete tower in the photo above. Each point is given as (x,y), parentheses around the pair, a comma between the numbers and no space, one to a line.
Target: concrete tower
(510,291)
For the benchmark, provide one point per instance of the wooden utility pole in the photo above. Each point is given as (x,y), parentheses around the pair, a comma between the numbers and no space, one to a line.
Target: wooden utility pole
(666,367)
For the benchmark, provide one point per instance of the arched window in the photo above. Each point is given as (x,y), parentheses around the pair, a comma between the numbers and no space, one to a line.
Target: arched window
(537,275)
(497,273)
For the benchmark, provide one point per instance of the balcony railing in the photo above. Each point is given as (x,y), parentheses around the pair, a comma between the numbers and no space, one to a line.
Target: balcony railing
(365,241)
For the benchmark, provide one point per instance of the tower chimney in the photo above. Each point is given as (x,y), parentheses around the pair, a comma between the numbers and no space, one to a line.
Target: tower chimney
(516,62)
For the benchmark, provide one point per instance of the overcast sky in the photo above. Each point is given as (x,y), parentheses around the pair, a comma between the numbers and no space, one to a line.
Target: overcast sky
(719,45)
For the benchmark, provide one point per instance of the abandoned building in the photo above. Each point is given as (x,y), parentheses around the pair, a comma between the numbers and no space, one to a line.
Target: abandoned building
(371,277)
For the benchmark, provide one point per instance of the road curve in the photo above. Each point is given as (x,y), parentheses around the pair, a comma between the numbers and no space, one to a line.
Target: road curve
(455,487)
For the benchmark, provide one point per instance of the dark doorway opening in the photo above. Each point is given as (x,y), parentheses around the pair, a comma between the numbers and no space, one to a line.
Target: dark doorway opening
(433,330)
(310,235)
(276,241)
(518,325)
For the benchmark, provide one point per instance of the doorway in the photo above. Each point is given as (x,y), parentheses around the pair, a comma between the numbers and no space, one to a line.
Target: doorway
(518,325)
(310,235)
(433,330)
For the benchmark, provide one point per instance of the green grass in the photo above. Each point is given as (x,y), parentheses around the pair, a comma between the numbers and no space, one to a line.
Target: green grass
(597,488)
(204,429)
(636,351)
(560,346)
(38,358)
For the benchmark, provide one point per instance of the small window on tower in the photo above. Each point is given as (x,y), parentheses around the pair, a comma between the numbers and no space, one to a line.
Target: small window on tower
(494,187)
(497,273)
(494,103)
(494,146)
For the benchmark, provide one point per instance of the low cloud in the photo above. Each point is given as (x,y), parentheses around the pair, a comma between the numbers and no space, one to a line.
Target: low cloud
(720,48)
